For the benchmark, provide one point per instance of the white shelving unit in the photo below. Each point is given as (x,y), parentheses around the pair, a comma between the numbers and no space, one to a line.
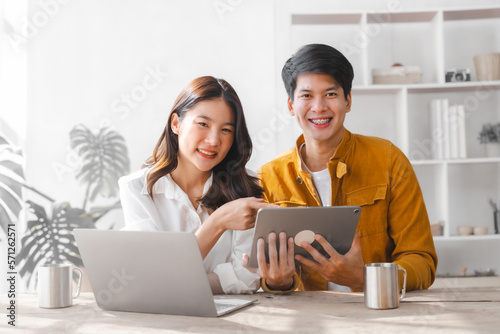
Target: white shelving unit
(456,191)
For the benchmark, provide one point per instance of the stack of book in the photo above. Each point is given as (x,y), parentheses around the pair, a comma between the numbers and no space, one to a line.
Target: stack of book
(447,130)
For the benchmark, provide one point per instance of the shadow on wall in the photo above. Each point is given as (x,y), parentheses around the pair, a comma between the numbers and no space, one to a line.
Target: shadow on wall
(48,237)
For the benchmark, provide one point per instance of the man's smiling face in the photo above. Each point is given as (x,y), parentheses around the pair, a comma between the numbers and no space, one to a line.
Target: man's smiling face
(320,107)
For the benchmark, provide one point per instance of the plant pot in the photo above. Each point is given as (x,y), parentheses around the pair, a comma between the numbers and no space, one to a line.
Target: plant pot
(492,150)
(487,66)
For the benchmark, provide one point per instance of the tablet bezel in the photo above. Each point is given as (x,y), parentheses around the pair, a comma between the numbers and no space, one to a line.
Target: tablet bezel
(337,224)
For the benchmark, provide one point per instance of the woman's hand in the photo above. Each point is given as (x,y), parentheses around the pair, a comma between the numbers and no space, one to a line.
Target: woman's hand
(239,214)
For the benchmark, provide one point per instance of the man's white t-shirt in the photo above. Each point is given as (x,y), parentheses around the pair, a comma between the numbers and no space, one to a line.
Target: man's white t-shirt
(322,183)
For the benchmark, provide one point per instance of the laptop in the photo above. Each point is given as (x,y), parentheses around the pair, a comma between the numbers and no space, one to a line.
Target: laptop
(150,272)
(337,224)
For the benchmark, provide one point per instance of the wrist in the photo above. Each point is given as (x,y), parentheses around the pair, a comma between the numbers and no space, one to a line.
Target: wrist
(357,282)
(215,223)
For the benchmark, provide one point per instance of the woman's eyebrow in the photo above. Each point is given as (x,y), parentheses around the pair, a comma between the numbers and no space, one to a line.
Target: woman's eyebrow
(211,120)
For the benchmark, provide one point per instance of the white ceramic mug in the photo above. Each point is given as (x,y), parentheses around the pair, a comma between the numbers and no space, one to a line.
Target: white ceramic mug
(55,285)
(381,285)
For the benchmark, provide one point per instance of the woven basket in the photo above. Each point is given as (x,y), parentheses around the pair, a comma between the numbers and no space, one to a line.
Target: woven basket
(487,66)
(397,75)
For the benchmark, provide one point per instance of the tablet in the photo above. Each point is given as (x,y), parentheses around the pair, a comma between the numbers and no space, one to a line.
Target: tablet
(337,224)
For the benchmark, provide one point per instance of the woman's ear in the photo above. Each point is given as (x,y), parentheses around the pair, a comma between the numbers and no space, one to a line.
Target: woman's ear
(174,125)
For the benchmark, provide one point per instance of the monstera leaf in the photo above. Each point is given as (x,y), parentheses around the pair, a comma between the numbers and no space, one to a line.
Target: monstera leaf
(49,239)
(104,160)
(11,181)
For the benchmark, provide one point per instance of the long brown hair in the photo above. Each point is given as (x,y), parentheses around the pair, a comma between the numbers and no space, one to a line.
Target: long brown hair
(230,178)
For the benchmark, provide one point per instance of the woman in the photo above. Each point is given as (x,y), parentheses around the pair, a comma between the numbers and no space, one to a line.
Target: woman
(196,181)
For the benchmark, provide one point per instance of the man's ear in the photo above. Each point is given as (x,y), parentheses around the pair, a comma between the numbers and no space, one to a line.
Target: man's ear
(348,104)
(174,125)
(290,106)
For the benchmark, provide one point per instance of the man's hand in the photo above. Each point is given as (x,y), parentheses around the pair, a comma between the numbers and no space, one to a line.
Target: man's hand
(279,272)
(344,270)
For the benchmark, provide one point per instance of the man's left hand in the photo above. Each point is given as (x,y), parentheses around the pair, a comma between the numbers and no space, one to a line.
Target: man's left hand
(344,270)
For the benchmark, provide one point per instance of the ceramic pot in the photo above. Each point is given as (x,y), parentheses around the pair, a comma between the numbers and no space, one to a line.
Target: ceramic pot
(493,150)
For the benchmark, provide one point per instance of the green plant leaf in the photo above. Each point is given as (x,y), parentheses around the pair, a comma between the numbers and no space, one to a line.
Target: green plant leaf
(490,133)
(49,240)
(11,181)
(104,160)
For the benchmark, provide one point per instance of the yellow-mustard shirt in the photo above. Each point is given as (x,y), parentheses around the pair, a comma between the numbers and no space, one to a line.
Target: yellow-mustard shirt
(374,174)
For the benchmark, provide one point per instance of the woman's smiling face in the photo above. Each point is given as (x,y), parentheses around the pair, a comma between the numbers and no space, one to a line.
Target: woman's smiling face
(205,134)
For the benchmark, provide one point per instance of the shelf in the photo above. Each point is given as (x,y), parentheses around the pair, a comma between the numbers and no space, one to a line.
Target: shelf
(471,14)
(455,161)
(401,17)
(395,17)
(474,161)
(315,19)
(426,162)
(478,29)
(427,87)
(468,237)
(376,89)
(458,281)
(456,191)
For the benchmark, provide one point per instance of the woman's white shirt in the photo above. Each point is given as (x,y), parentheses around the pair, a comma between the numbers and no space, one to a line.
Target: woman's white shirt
(172,210)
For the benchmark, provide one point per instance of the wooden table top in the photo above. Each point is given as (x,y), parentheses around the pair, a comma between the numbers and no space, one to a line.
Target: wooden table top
(441,310)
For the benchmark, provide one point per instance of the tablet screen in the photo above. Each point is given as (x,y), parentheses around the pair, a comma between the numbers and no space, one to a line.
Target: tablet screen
(337,224)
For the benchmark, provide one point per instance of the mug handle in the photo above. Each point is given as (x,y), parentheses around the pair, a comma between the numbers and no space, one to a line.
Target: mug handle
(80,272)
(404,282)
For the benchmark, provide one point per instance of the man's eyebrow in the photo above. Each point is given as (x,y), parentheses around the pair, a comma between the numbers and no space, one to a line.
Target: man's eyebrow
(209,119)
(334,87)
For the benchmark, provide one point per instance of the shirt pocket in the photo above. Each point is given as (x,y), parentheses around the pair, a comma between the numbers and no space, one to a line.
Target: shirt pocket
(372,200)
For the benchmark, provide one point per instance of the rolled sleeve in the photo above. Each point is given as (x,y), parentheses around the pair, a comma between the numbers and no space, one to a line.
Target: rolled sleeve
(233,277)
(236,280)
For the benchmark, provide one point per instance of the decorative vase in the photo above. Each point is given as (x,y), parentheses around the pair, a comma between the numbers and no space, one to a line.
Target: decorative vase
(493,150)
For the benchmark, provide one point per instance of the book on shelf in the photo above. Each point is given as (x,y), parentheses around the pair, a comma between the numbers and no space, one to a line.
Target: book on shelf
(436,130)
(462,142)
(448,133)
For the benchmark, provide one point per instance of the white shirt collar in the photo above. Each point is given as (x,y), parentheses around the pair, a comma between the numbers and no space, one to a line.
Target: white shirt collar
(167,186)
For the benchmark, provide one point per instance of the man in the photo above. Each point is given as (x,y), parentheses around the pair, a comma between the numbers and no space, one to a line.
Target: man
(331,166)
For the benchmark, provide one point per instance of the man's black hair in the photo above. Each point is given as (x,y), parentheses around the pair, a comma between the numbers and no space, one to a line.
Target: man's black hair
(317,58)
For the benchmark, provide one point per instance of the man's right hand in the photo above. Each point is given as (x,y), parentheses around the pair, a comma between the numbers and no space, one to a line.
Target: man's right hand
(279,272)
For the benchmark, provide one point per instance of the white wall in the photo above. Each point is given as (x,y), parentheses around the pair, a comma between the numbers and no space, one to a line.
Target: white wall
(92,52)
(85,57)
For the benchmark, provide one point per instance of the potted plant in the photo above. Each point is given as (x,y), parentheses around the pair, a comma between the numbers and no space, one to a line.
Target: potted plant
(490,136)
(48,237)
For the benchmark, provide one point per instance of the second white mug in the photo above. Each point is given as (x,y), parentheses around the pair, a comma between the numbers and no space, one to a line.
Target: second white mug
(55,285)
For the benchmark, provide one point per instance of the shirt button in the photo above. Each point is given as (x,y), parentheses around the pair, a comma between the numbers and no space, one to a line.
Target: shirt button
(299,180)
